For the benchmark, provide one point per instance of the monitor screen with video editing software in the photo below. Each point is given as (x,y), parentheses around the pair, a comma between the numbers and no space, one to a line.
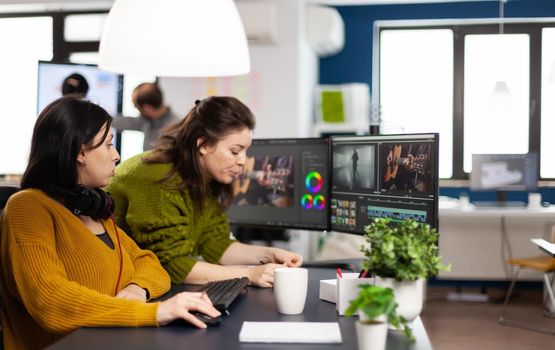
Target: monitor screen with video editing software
(383,176)
(285,184)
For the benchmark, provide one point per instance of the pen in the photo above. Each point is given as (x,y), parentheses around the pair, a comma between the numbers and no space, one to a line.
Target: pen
(339,273)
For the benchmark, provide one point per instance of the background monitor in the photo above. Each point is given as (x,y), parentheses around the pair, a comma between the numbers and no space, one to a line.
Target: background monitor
(504,172)
(285,184)
(105,88)
(383,176)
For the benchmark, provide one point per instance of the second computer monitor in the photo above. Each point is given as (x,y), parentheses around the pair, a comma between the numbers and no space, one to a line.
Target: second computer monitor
(504,172)
(383,176)
(284,184)
(104,88)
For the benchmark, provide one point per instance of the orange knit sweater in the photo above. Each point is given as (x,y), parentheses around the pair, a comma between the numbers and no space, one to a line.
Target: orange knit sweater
(56,276)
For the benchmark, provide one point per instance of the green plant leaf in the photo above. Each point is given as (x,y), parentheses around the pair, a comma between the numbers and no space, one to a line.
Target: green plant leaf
(375,301)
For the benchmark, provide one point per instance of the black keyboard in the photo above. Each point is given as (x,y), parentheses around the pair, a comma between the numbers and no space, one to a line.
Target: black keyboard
(223,293)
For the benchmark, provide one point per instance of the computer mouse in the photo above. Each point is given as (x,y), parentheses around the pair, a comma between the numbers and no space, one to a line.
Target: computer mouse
(209,321)
(545,204)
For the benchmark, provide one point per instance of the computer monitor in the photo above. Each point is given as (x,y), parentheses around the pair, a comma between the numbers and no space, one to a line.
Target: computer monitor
(383,176)
(285,184)
(105,88)
(504,172)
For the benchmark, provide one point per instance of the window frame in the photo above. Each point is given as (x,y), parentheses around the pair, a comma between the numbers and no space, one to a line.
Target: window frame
(62,49)
(460,29)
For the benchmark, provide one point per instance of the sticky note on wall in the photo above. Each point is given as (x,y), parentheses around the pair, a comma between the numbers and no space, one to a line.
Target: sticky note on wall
(333,110)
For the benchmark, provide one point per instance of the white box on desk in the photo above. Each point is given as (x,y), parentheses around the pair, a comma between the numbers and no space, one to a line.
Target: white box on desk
(347,290)
(328,290)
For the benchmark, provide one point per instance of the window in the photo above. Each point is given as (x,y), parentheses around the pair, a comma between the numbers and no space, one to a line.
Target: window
(420,69)
(492,126)
(416,86)
(547,166)
(18,69)
(50,36)
(84,57)
(84,27)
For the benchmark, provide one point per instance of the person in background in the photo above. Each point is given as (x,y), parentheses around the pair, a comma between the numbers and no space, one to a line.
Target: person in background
(154,115)
(75,84)
(172,200)
(64,263)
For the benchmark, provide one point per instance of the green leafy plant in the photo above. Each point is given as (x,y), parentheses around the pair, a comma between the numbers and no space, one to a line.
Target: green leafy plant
(405,251)
(375,301)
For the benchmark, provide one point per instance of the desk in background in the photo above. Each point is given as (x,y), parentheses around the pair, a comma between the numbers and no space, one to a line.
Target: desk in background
(257,305)
(477,241)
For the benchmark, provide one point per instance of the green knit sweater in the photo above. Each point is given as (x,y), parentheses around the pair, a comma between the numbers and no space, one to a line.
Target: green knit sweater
(164,220)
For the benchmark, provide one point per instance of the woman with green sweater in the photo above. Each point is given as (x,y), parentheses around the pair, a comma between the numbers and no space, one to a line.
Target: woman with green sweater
(172,200)
(64,263)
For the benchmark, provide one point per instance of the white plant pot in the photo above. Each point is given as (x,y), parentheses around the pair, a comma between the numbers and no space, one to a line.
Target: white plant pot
(363,318)
(371,336)
(409,295)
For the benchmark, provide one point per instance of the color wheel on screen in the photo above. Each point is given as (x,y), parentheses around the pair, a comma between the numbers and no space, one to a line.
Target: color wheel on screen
(319,202)
(306,201)
(313,181)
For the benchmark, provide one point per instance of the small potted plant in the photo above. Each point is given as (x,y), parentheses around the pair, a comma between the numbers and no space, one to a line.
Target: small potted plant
(402,255)
(376,307)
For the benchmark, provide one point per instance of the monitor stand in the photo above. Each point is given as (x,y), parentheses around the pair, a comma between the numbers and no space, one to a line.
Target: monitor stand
(501,202)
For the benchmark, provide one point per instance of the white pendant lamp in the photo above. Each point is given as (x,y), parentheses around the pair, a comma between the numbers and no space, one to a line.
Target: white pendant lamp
(501,97)
(176,38)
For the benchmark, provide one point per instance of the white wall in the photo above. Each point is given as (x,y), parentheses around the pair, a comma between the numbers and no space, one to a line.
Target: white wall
(308,77)
(279,87)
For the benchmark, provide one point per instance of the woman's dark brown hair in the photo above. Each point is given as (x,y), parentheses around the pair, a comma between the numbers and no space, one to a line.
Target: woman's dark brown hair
(61,130)
(210,120)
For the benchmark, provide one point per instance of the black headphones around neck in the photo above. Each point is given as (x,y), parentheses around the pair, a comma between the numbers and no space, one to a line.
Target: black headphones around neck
(82,200)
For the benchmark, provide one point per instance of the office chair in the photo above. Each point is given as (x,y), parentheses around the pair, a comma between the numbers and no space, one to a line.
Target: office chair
(5,193)
(546,264)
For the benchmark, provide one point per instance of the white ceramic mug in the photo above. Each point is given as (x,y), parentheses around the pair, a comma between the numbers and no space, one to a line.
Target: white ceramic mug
(290,288)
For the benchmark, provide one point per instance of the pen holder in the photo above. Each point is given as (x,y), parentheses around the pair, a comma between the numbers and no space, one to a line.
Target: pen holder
(347,290)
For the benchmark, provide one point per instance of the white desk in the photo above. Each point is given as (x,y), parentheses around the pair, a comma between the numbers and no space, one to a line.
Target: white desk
(477,241)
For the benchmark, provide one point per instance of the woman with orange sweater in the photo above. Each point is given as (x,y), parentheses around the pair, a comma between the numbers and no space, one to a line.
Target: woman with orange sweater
(64,263)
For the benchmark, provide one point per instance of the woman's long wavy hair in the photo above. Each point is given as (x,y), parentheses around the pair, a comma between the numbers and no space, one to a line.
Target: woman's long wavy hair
(210,120)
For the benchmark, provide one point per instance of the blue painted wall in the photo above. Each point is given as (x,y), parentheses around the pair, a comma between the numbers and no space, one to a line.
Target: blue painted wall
(354,62)
(548,194)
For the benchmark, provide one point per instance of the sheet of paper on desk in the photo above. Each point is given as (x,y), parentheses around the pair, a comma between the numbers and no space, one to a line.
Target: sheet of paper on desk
(290,332)
(545,245)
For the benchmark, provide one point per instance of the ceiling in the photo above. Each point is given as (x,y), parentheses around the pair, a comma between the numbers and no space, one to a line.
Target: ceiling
(53,5)
(382,2)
